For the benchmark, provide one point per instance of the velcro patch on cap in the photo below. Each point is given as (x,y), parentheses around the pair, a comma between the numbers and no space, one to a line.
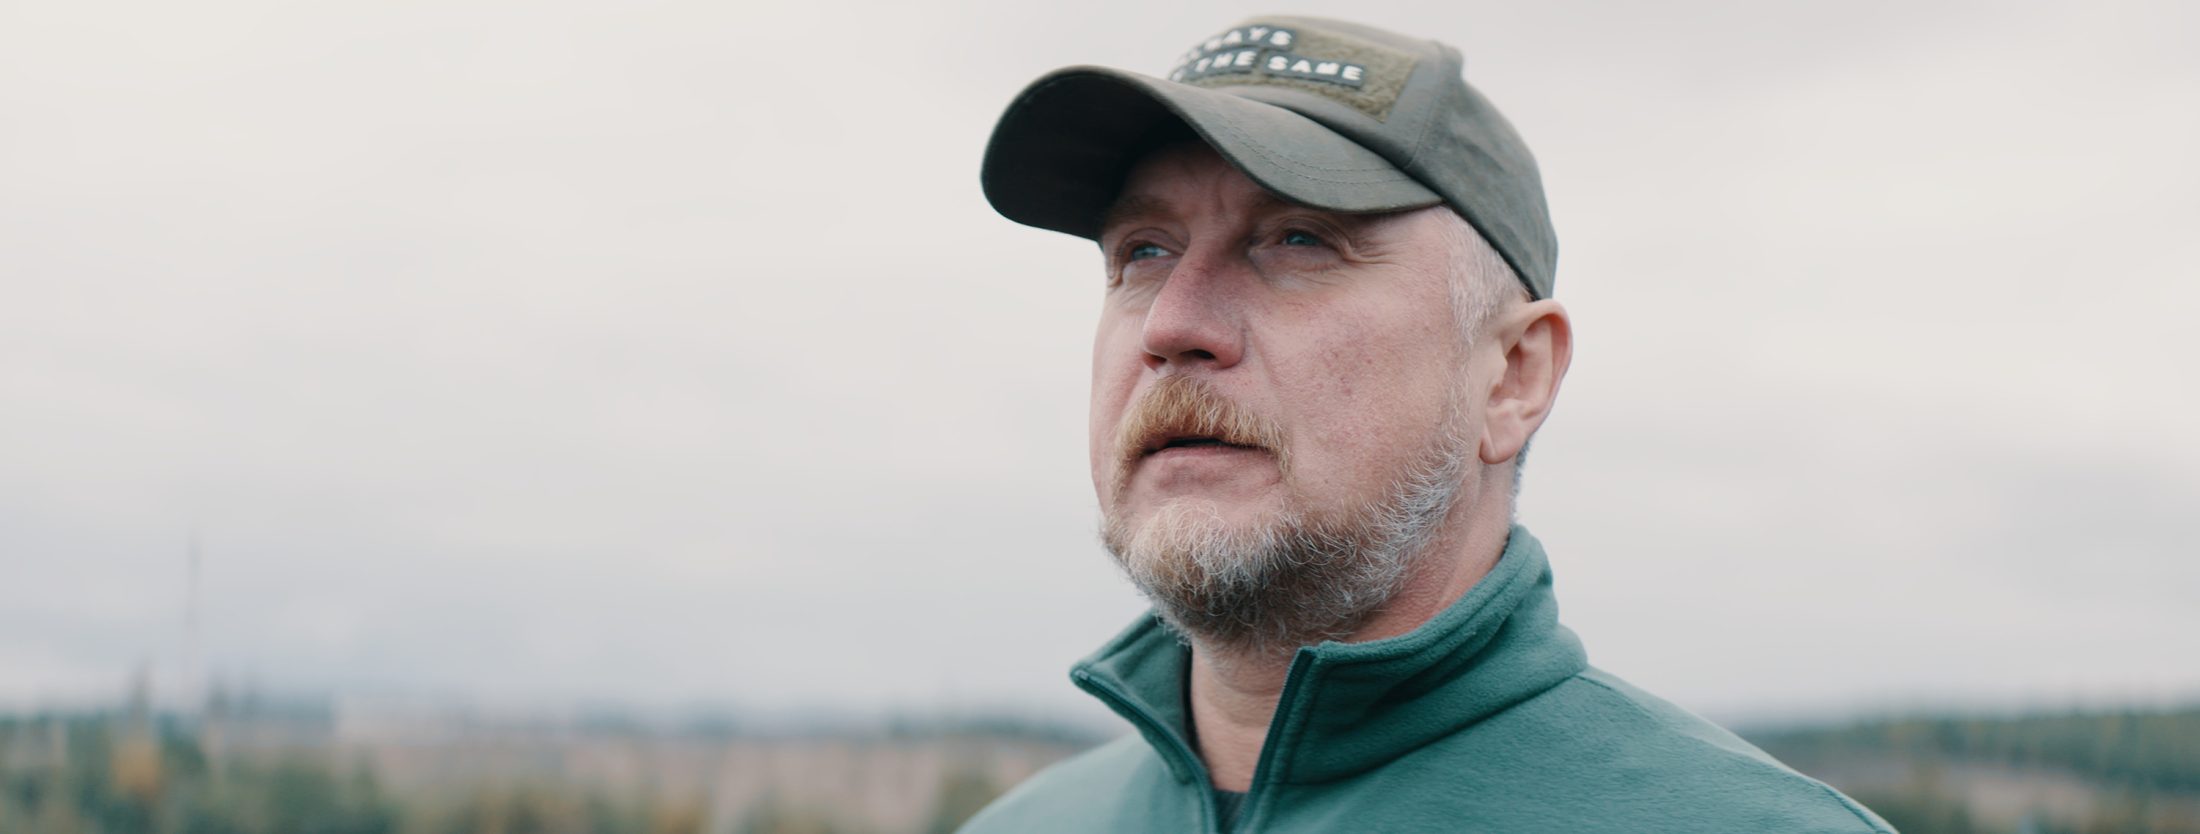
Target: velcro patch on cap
(1365,75)
(1220,63)
(1316,69)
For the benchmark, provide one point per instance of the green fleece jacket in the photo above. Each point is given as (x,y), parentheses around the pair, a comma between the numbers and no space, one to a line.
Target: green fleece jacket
(1487,718)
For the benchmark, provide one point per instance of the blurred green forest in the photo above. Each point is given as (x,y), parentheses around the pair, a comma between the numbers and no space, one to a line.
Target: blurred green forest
(2075,772)
(133,772)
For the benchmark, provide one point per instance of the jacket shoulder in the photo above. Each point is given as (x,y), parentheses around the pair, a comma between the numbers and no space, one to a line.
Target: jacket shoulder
(1093,790)
(1705,775)
(1590,755)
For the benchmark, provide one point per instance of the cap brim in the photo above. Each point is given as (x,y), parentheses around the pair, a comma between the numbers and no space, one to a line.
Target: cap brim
(1059,154)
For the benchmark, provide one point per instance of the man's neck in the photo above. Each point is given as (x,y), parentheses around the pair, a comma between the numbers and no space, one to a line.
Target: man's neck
(1233,696)
(1232,701)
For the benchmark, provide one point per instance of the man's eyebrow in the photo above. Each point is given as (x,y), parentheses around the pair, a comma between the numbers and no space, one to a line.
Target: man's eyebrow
(1137,206)
(1130,208)
(1265,200)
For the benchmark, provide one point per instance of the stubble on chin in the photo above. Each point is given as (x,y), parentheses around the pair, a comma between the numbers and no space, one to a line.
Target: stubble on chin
(1254,589)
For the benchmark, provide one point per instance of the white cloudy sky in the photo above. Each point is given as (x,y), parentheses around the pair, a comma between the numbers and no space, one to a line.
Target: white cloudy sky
(667,354)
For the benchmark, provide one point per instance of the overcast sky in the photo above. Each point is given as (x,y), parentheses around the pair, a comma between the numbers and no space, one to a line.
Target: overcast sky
(666,354)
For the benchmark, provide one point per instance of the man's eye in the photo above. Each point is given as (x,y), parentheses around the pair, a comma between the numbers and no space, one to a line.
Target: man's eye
(1143,251)
(1299,238)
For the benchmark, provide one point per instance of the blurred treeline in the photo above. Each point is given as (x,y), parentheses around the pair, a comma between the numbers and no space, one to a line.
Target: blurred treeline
(242,771)
(2076,772)
(101,776)
(119,773)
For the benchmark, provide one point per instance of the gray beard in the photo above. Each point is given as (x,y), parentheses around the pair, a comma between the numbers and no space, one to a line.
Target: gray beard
(1290,580)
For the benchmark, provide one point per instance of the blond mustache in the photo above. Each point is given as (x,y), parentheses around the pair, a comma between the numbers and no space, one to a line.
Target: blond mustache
(1177,406)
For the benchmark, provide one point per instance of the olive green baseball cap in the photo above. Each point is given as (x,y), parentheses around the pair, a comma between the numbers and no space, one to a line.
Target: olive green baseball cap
(1325,113)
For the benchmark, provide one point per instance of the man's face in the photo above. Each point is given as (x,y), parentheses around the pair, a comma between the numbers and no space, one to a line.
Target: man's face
(1261,365)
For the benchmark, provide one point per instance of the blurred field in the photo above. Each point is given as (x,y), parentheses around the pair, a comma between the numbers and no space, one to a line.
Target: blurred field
(246,766)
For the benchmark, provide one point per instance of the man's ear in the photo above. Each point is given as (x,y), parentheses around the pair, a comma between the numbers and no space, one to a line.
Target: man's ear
(1536,340)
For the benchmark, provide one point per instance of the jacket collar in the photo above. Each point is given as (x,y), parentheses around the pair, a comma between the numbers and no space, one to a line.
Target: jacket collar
(1349,707)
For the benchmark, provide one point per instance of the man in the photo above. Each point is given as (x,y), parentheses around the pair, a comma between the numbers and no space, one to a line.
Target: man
(1327,335)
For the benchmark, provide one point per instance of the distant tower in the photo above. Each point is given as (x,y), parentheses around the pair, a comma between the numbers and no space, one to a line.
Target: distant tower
(137,700)
(193,695)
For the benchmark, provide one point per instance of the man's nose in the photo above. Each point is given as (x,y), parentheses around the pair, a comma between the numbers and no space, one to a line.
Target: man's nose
(1195,319)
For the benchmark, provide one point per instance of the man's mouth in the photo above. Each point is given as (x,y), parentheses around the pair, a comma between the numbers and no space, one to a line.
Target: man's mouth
(1184,419)
(1194,442)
